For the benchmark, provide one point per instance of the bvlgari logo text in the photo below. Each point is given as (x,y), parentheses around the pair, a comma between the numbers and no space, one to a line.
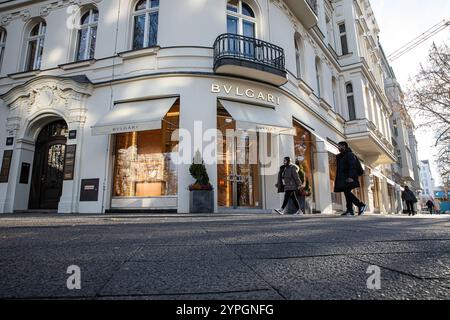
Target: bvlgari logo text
(245,92)
(127,128)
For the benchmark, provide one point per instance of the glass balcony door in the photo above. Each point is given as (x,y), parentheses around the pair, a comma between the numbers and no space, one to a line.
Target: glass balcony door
(241,21)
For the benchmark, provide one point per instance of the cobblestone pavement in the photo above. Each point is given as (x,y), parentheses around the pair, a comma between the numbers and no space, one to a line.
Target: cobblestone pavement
(239,256)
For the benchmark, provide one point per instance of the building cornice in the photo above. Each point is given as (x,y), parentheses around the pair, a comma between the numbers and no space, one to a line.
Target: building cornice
(25,10)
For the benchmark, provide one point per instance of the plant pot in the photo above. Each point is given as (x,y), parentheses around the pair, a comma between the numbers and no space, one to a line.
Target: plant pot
(201,201)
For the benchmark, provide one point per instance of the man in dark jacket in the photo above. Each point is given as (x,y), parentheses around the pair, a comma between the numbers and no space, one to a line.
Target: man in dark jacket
(289,182)
(347,173)
(430,206)
(409,197)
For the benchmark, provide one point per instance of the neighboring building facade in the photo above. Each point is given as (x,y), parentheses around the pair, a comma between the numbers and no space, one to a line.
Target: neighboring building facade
(417,183)
(427,180)
(404,171)
(107,116)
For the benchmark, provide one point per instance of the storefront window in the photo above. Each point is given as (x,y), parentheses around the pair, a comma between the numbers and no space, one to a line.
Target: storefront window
(336,198)
(303,154)
(144,165)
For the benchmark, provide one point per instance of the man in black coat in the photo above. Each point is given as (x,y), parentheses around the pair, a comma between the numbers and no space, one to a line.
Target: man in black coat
(430,206)
(409,197)
(347,173)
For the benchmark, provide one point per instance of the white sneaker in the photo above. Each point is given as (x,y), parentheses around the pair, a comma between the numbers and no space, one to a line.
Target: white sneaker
(298,213)
(279,211)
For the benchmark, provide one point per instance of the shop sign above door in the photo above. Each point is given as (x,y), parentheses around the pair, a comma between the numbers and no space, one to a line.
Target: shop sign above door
(236,91)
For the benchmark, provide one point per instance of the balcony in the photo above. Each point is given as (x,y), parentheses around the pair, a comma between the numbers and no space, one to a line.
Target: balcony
(305,11)
(250,58)
(367,141)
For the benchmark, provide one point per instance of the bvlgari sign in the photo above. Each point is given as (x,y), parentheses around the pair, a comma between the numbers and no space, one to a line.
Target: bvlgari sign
(236,91)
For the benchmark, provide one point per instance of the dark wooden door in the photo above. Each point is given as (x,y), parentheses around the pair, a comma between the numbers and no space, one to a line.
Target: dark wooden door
(48,167)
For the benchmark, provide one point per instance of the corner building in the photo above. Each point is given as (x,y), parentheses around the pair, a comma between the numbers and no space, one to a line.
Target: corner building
(101,102)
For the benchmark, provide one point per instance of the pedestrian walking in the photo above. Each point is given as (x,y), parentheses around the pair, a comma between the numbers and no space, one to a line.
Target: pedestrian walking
(409,197)
(430,206)
(437,206)
(304,191)
(348,171)
(289,182)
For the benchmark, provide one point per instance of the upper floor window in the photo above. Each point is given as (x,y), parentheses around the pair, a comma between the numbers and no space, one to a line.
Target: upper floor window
(241,19)
(334,84)
(350,102)
(330,33)
(145,24)
(2,45)
(394,122)
(299,55)
(343,37)
(87,35)
(318,77)
(35,46)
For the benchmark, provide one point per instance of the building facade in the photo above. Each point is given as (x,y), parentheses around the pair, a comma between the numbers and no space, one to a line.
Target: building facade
(404,171)
(104,103)
(427,180)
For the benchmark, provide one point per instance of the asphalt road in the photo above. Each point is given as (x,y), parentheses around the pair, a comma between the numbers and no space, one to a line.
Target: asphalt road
(242,256)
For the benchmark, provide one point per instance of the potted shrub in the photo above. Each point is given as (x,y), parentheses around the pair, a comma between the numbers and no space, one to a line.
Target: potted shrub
(201,191)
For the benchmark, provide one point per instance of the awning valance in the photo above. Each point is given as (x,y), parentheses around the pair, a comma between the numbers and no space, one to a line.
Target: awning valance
(134,116)
(389,181)
(328,145)
(258,118)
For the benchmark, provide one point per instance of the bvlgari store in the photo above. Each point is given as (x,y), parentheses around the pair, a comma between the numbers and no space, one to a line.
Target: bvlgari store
(133,152)
(153,140)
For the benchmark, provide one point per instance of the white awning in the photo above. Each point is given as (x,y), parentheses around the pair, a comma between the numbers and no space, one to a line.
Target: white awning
(328,145)
(134,116)
(377,174)
(258,118)
(389,181)
(331,148)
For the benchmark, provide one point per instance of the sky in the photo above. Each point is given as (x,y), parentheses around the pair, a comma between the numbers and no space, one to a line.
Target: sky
(401,21)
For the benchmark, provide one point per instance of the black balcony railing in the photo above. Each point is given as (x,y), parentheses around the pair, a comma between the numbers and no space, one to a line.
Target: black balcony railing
(267,56)
(313,5)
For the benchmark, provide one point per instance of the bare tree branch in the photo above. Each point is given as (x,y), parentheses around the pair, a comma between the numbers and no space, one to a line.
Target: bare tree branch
(428,97)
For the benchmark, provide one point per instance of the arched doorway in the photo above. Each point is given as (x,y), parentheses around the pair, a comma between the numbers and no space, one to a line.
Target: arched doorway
(48,166)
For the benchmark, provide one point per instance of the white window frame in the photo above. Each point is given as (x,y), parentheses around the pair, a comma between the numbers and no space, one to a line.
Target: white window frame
(89,26)
(241,18)
(40,39)
(147,12)
(342,34)
(298,42)
(335,88)
(3,37)
(347,95)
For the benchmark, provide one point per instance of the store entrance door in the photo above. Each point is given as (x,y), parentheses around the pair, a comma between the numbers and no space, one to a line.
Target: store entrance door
(239,179)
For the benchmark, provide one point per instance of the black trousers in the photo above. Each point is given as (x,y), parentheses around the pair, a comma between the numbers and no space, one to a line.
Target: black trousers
(288,195)
(410,207)
(351,200)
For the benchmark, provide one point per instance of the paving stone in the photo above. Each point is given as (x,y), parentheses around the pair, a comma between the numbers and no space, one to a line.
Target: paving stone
(182,277)
(218,256)
(340,278)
